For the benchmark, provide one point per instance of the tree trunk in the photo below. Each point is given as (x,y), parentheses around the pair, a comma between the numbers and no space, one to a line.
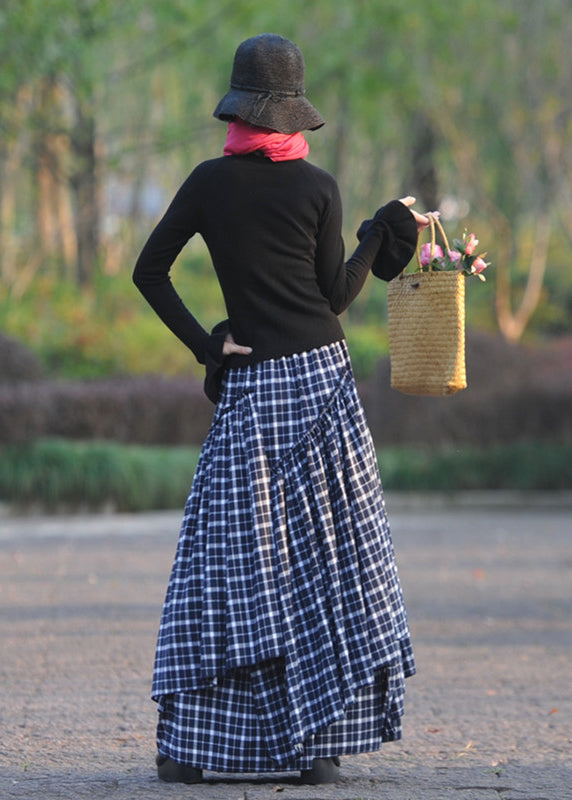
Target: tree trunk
(423,168)
(512,324)
(8,171)
(85,188)
(54,217)
(14,150)
(340,144)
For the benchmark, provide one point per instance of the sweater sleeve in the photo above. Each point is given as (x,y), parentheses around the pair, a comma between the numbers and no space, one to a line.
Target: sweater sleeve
(389,238)
(398,242)
(152,272)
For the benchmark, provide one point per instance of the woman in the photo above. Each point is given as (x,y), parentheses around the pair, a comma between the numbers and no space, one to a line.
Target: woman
(283,640)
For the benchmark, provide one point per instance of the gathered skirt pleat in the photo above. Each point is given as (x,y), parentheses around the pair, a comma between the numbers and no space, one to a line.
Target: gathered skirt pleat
(284,635)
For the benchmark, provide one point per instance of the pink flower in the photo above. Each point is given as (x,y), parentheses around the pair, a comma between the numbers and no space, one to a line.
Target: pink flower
(470,243)
(425,256)
(454,257)
(478,266)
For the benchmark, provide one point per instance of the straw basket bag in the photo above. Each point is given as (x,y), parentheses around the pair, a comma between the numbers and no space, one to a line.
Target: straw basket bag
(426,320)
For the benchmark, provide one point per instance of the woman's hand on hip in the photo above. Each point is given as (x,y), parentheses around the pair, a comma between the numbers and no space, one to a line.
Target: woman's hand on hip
(230,347)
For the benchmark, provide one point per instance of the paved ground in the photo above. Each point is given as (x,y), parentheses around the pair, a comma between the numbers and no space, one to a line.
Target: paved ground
(488,717)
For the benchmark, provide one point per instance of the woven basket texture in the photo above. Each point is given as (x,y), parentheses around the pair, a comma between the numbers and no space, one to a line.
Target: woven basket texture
(426,321)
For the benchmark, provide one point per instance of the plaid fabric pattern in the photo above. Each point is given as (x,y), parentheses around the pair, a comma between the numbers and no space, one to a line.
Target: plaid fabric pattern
(284,603)
(220,729)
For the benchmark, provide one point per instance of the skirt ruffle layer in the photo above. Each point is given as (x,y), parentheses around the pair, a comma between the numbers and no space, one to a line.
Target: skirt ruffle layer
(221,728)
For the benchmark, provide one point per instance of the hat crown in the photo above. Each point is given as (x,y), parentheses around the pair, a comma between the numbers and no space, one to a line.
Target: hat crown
(267,87)
(268,63)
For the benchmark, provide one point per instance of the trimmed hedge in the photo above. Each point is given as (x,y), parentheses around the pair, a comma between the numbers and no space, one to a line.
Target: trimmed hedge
(17,362)
(53,475)
(515,394)
(59,475)
(522,466)
(146,410)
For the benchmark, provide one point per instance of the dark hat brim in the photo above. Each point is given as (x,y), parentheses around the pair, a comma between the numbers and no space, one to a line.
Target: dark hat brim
(267,110)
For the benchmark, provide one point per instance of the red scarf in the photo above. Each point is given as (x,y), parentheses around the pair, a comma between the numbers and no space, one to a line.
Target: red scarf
(243,138)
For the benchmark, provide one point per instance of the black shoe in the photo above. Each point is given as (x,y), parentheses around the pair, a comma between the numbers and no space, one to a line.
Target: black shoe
(324,770)
(171,772)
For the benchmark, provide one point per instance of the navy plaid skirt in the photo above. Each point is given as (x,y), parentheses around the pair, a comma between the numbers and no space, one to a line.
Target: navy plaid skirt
(283,636)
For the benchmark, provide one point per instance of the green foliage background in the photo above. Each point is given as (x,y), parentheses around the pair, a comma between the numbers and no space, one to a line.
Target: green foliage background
(57,475)
(486,80)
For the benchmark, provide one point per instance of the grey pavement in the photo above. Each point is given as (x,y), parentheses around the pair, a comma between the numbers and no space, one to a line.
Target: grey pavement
(488,716)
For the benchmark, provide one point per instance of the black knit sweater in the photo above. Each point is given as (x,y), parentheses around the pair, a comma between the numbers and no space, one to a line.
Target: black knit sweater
(273,230)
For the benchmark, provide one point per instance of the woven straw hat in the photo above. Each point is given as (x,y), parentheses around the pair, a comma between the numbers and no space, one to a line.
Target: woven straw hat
(267,86)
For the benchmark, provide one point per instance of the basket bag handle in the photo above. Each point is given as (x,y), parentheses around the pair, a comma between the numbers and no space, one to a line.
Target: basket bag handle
(433,221)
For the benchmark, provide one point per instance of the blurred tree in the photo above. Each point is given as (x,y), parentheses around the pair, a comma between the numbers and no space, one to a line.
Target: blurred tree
(105,106)
(506,121)
(51,58)
(534,116)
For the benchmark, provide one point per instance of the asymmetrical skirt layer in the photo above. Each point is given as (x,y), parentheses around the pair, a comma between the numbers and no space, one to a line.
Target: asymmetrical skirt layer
(284,636)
